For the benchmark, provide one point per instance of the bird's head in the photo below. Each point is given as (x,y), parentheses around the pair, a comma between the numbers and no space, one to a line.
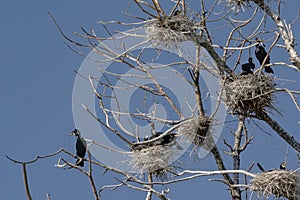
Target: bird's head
(177,13)
(75,132)
(250,60)
(283,166)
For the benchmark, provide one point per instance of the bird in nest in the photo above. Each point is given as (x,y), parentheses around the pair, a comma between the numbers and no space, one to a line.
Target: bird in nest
(282,166)
(80,147)
(168,139)
(247,68)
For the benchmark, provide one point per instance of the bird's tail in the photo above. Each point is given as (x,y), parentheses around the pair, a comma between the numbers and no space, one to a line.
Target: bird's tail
(268,69)
(80,162)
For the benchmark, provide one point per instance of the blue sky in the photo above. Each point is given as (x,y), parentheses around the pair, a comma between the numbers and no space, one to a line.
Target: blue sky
(36,83)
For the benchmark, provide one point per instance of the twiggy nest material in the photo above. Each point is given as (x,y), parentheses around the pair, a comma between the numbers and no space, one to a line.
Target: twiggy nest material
(170,30)
(249,93)
(197,131)
(153,159)
(280,183)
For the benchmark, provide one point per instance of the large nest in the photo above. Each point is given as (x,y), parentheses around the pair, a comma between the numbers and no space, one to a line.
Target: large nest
(280,183)
(249,93)
(197,131)
(155,157)
(170,30)
(155,160)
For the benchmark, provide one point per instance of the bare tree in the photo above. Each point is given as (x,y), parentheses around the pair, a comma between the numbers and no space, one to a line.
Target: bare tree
(249,95)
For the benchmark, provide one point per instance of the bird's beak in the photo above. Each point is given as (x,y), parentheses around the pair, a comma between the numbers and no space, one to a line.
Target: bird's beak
(71,134)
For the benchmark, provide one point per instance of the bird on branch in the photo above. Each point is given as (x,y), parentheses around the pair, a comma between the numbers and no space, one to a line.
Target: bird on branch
(261,55)
(80,147)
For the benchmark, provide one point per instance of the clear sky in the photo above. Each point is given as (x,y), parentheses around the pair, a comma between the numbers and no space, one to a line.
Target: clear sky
(36,83)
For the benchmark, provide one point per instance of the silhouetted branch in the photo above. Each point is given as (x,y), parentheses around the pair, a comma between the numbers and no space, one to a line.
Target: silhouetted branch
(279,130)
(26,182)
(285,32)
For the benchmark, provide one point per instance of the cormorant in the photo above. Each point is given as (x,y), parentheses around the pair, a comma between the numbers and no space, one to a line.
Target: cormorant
(177,12)
(248,67)
(282,166)
(167,139)
(260,54)
(80,147)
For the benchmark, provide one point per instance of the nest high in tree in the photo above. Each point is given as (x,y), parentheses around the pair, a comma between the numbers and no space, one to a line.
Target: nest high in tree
(197,131)
(170,30)
(154,157)
(249,93)
(280,183)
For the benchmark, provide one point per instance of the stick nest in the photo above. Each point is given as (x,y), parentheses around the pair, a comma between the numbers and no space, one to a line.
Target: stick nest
(249,93)
(197,131)
(170,30)
(153,159)
(280,183)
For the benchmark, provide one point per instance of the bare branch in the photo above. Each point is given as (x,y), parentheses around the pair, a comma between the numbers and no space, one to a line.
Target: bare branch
(285,32)
(26,182)
(279,130)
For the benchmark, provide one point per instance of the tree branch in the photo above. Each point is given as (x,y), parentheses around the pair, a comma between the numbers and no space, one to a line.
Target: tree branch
(285,32)
(279,130)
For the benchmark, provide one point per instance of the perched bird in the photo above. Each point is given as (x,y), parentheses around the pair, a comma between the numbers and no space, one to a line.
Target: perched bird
(248,67)
(80,147)
(177,12)
(167,139)
(283,166)
(261,54)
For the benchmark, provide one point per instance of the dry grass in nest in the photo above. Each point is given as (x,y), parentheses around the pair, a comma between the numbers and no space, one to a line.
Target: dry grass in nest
(197,131)
(249,93)
(153,159)
(170,30)
(280,183)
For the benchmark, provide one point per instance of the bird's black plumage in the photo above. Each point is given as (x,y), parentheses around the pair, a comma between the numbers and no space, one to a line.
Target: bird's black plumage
(248,67)
(261,54)
(282,166)
(176,13)
(167,139)
(80,147)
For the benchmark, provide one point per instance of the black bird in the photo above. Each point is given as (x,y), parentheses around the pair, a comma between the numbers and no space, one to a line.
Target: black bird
(176,13)
(282,166)
(167,139)
(261,54)
(248,67)
(80,147)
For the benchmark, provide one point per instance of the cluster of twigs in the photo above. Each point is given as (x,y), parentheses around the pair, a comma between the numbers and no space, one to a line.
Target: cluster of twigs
(168,31)
(249,93)
(196,131)
(153,159)
(244,94)
(280,183)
